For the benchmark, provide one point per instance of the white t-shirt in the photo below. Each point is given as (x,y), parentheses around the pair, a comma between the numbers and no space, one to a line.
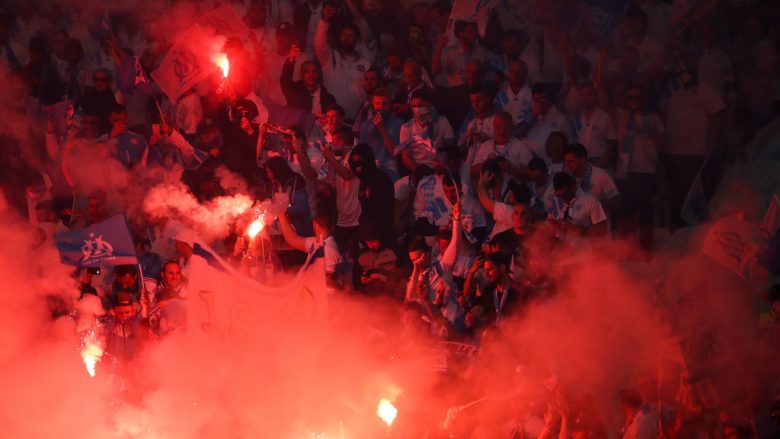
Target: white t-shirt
(584,210)
(518,105)
(332,254)
(638,140)
(554,120)
(595,132)
(342,75)
(347,200)
(598,183)
(477,125)
(518,152)
(502,215)
(687,122)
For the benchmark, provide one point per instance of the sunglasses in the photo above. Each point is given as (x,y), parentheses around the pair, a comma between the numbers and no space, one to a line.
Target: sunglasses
(634,97)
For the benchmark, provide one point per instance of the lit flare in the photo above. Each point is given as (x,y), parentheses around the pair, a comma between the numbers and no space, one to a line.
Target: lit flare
(256,227)
(386,411)
(91,350)
(222,61)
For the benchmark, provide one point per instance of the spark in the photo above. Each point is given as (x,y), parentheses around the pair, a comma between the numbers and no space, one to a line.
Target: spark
(91,350)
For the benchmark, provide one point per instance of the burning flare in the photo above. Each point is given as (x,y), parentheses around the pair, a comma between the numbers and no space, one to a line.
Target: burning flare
(222,61)
(386,411)
(91,350)
(256,227)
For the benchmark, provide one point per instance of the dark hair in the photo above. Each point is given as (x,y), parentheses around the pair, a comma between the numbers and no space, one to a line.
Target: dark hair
(325,220)
(540,88)
(445,234)
(559,134)
(421,172)
(282,172)
(503,115)
(498,258)
(122,270)
(520,191)
(167,263)
(419,245)
(351,26)
(483,90)
(562,180)
(423,93)
(537,164)
(345,131)
(381,91)
(337,108)
(577,149)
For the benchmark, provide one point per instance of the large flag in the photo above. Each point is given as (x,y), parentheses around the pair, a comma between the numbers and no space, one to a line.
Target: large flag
(736,244)
(188,62)
(476,11)
(224,21)
(227,307)
(105,243)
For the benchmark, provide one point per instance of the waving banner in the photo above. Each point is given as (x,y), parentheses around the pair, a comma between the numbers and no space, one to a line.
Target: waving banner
(224,21)
(105,243)
(188,62)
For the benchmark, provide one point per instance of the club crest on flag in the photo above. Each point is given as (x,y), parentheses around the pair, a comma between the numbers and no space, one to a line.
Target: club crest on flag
(106,243)
(96,248)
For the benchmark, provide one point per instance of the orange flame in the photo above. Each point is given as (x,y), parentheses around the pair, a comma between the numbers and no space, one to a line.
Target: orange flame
(222,61)
(386,411)
(91,354)
(256,227)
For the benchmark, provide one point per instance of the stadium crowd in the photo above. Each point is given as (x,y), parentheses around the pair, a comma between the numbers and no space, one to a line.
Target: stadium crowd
(437,162)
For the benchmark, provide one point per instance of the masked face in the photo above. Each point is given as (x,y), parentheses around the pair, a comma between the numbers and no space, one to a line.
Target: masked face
(356,164)
(421,111)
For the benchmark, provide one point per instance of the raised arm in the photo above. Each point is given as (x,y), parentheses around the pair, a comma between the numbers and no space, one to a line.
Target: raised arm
(290,235)
(309,173)
(482,194)
(451,254)
(342,171)
(321,49)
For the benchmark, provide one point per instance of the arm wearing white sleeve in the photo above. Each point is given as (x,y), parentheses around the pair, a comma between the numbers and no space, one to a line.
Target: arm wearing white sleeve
(451,254)
(321,48)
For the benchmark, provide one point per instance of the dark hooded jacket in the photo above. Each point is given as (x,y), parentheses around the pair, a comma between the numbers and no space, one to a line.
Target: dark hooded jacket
(376,190)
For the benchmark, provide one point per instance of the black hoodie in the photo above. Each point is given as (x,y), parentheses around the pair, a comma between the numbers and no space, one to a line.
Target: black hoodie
(376,190)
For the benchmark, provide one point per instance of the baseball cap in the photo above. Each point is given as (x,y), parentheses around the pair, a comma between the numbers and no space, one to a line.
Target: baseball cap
(123,299)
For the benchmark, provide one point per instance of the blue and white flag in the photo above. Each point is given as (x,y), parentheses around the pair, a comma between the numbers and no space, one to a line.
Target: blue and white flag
(105,243)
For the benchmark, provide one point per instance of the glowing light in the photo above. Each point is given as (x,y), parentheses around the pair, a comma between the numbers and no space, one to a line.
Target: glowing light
(222,61)
(386,411)
(91,348)
(256,227)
